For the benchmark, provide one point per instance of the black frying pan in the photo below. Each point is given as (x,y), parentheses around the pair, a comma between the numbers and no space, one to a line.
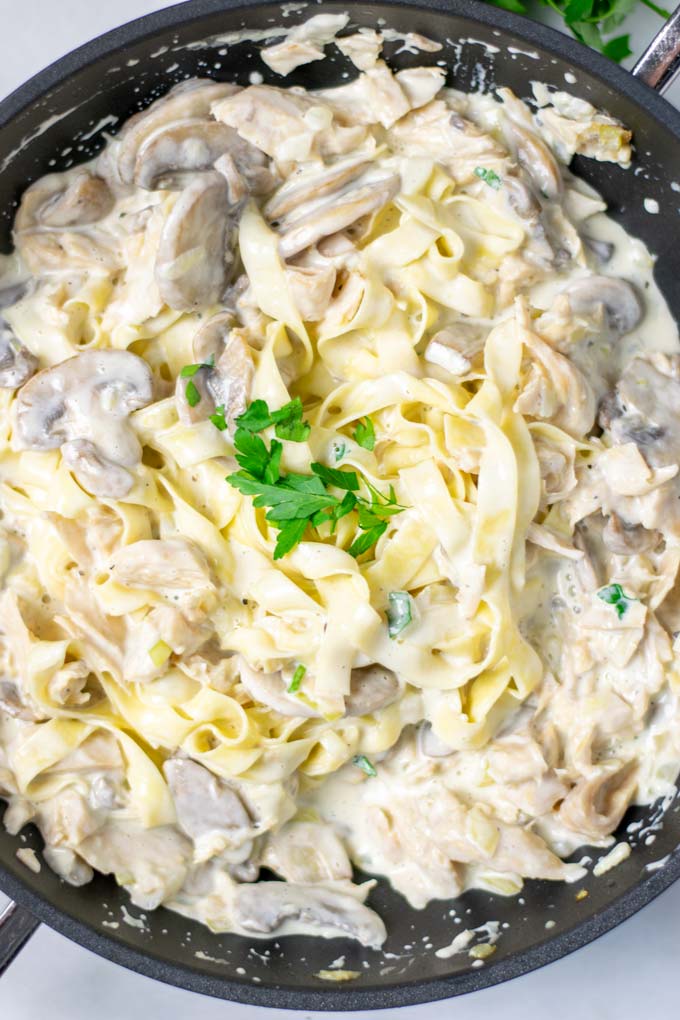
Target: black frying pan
(71,97)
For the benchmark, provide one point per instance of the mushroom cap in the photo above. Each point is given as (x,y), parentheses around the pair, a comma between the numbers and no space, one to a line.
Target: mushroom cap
(190,99)
(619,299)
(371,688)
(185,146)
(89,397)
(193,253)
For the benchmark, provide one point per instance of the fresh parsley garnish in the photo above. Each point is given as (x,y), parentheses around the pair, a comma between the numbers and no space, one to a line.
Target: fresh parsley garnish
(489,177)
(287,421)
(363,763)
(192,394)
(364,434)
(614,595)
(399,612)
(298,677)
(294,501)
(590,20)
(339,451)
(219,418)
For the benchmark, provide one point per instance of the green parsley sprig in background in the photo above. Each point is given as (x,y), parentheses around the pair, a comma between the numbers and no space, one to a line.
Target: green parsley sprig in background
(591,21)
(294,501)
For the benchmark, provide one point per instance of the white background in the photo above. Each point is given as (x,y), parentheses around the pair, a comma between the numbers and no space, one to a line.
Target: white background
(627,974)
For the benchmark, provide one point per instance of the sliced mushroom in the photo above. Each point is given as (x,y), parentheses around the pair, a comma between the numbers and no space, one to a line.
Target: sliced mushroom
(335,214)
(227,382)
(195,250)
(265,906)
(11,702)
(17,364)
(191,145)
(190,99)
(371,688)
(204,803)
(64,200)
(455,348)
(269,689)
(534,156)
(88,397)
(430,745)
(645,410)
(602,250)
(307,852)
(521,198)
(617,299)
(166,566)
(95,473)
(626,539)
(312,185)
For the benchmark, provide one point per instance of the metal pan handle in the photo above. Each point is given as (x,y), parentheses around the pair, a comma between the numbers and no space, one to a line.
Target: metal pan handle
(660,63)
(16,927)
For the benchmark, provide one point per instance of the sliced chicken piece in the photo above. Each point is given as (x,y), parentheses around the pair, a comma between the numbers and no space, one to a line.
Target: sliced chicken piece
(269,689)
(455,348)
(265,906)
(196,247)
(310,185)
(151,864)
(596,805)
(304,43)
(421,84)
(306,852)
(375,97)
(363,48)
(167,566)
(311,282)
(75,199)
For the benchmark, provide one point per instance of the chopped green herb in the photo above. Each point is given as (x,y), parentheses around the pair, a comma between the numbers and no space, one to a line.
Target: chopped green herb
(339,451)
(298,676)
(219,418)
(362,762)
(296,501)
(190,370)
(364,434)
(489,177)
(399,613)
(614,595)
(192,394)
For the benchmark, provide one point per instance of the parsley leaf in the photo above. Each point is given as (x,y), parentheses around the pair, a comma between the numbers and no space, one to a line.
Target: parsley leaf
(219,418)
(362,762)
(339,450)
(399,612)
(192,394)
(364,434)
(490,177)
(341,479)
(296,501)
(614,595)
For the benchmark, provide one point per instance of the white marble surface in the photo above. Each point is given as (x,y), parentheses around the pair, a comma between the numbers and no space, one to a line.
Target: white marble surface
(624,975)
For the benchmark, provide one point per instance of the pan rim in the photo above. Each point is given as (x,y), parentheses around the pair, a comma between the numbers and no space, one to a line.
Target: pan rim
(520,962)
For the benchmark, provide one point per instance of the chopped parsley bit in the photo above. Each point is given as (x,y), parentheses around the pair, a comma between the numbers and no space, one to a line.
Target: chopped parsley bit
(489,177)
(190,370)
(362,762)
(192,394)
(364,434)
(218,418)
(296,501)
(399,613)
(339,451)
(298,676)
(615,596)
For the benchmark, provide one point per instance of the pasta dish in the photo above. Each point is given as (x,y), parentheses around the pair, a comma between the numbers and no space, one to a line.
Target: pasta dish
(339,499)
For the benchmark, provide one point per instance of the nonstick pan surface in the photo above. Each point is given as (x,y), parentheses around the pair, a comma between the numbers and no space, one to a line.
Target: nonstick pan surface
(59,117)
